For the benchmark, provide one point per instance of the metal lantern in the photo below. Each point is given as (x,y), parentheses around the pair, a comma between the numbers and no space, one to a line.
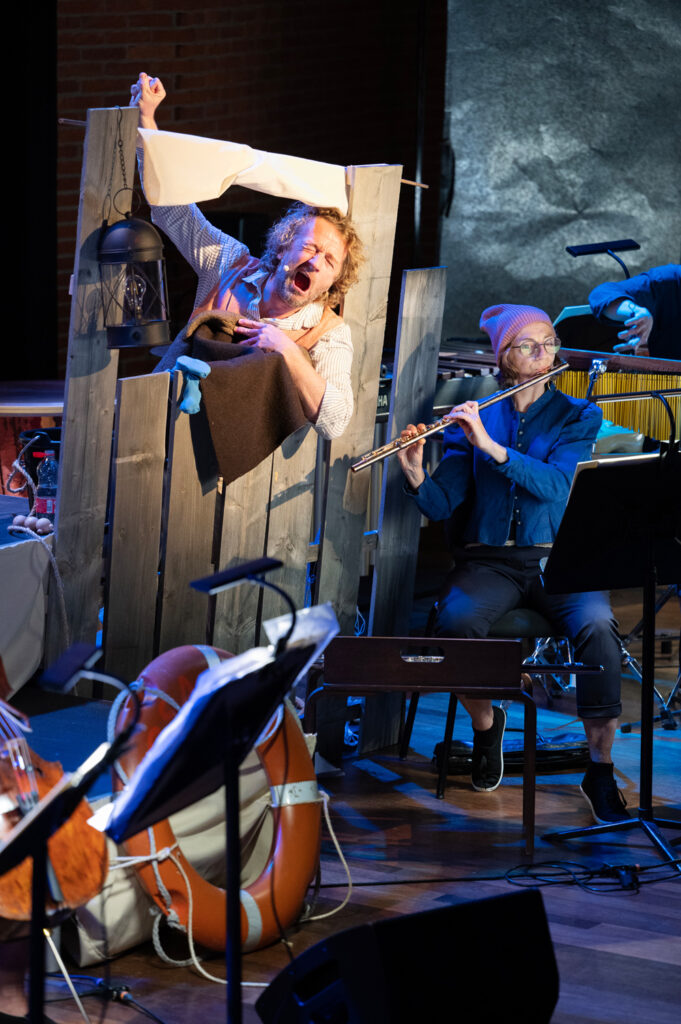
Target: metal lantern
(134,297)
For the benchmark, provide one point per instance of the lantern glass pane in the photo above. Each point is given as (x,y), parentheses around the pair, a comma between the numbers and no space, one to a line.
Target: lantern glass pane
(133,293)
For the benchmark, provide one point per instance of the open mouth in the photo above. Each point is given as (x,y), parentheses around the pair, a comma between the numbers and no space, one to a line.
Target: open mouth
(301,281)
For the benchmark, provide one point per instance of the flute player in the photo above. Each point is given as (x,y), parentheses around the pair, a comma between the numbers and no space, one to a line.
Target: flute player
(514,461)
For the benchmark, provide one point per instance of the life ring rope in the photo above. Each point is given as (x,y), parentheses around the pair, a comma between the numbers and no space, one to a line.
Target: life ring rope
(193,959)
(168,853)
(122,862)
(327,817)
(142,689)
(155,861)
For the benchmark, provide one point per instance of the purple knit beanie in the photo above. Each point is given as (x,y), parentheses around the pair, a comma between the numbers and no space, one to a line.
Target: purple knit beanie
(502,323)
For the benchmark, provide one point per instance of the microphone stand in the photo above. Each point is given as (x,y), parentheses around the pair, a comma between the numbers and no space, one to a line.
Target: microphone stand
(253,572)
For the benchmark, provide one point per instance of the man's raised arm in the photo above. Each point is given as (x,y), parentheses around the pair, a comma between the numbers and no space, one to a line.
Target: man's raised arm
(147,93)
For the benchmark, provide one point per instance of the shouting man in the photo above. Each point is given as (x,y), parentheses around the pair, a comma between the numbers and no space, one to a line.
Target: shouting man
(285,299)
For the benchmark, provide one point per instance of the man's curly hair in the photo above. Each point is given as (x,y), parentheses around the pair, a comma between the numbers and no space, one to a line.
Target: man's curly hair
(283,230)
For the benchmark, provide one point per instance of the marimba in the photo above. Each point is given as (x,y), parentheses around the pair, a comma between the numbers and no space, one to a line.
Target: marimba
(626,374)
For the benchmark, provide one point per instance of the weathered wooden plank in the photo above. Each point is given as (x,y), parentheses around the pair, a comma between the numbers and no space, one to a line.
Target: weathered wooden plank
(373,207)
(135,530)
(91,371)
(290,518)
(189,522)
(243,537)
(419,335)
(374,200)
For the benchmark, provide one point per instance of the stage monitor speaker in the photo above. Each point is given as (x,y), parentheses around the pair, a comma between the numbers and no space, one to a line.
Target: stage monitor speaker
(485,960)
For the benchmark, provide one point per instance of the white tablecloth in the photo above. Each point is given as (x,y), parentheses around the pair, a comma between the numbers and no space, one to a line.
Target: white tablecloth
(24,567)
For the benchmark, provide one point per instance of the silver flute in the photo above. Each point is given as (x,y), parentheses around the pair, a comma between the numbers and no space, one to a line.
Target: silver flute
(400,443)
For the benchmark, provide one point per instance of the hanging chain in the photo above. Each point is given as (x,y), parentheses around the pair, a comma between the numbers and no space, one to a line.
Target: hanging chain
(118,147)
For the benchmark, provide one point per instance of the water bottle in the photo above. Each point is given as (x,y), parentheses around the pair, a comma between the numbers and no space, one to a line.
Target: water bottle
(46,493)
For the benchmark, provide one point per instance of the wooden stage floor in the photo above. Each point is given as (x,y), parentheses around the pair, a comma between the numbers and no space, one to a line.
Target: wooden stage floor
(618,952)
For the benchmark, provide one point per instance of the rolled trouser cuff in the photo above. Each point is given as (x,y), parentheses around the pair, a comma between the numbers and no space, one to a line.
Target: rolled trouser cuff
(600,711)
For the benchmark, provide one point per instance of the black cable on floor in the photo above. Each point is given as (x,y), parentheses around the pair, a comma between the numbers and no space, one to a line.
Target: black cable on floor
(604,879)
(103,990)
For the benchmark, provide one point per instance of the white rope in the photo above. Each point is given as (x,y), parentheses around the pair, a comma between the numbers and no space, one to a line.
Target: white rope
(190,927)
(112,719)
(154,857)
(193,960)
(170,914)
(330,913)
(197,965)
(159,916)
(143,688)
(119,861)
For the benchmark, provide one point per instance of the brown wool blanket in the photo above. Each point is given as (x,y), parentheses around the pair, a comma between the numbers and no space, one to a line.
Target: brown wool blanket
(250,403)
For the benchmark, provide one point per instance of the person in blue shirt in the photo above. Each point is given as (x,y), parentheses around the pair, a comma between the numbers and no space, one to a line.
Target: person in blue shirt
(649,308)
(509,468)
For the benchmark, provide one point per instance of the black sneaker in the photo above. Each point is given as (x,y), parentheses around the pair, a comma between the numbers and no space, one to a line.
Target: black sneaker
(603,797)
(488,756)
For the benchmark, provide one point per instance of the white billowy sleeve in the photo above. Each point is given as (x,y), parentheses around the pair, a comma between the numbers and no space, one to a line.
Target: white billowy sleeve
(189,168)
(207,250)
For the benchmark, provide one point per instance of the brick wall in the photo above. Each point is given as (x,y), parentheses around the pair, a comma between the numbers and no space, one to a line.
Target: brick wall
(334,81)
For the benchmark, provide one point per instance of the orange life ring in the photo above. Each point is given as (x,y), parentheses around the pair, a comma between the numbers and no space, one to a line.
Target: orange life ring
(279,892)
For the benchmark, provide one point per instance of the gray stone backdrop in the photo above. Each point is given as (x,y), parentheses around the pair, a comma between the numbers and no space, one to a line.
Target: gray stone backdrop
(564,121)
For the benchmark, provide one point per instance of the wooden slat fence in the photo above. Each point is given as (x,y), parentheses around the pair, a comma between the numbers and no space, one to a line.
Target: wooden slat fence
(164,529)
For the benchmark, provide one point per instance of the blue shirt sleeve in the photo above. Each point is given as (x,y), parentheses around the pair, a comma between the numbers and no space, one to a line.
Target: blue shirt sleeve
(659,285)
(659,290)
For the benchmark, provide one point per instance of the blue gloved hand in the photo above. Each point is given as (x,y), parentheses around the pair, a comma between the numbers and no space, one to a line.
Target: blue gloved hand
(193,371)
(638,323)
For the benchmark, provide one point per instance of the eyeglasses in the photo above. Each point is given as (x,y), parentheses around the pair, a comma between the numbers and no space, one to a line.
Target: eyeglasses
(527,348)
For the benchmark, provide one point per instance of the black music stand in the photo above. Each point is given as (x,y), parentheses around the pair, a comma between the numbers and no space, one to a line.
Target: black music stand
(202,748)
(621,529)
